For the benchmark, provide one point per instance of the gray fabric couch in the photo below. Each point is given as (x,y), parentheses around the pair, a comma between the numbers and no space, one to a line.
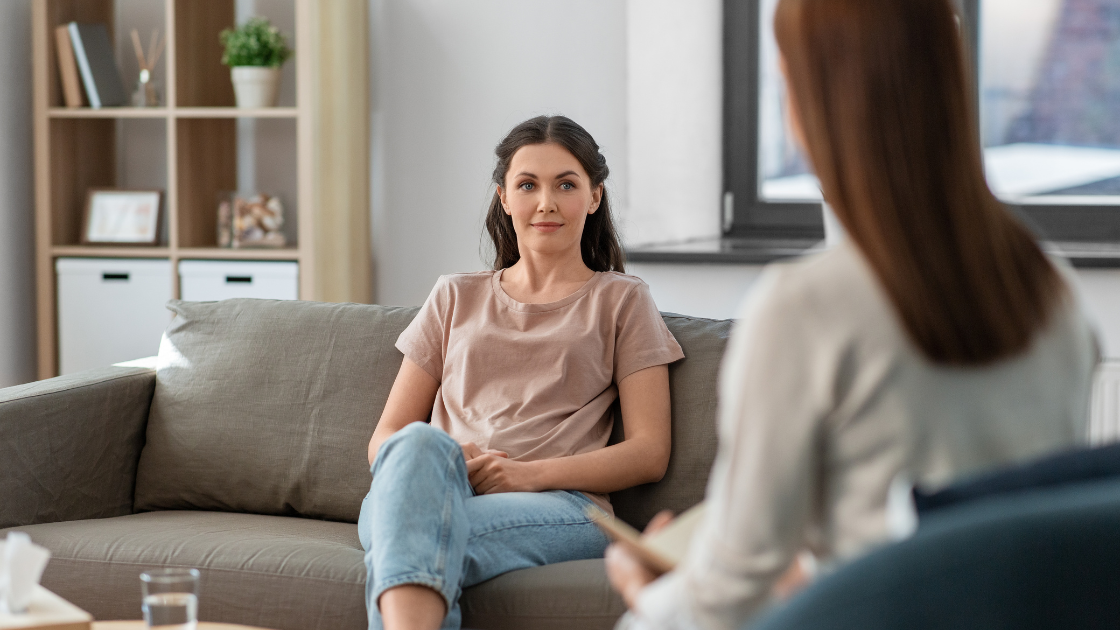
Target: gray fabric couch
(244,454)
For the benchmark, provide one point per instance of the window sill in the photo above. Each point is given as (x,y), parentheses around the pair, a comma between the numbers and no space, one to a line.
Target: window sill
(727,250)
(1086,255)
(760,251)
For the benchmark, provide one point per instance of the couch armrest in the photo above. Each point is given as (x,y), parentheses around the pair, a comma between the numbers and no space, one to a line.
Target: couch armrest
(69,445)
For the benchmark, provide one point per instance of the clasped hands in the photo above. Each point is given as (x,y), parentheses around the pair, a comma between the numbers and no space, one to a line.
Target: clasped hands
(490,471)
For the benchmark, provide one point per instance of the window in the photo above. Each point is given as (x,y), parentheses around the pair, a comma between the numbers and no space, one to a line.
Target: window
(1049,100)
(752,105)
(784,173)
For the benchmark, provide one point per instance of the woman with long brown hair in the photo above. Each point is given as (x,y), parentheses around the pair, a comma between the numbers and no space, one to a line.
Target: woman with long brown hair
(937,340)
(516,370)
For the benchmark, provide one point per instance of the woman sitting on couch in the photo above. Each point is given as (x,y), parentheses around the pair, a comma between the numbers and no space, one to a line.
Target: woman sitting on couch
(518,368)
(937,340)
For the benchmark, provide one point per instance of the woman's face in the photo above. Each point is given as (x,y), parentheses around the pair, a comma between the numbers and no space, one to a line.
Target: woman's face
(548,195)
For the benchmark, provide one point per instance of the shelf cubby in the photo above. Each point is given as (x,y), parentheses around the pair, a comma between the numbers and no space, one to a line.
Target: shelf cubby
(200,78)
(207,165)
(83,156)
(59,12)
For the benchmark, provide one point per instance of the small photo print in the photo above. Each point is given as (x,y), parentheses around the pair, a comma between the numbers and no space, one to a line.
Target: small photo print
(122,216)
(253,220)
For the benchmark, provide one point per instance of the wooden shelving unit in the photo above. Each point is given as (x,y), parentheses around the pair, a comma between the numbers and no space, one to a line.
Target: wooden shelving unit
(77,149)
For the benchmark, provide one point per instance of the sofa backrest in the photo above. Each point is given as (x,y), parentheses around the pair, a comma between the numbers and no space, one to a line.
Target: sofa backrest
(267,407)
(692,389)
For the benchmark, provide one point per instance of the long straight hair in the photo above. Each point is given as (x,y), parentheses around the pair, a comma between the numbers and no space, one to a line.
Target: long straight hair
(882,93)
(599,242)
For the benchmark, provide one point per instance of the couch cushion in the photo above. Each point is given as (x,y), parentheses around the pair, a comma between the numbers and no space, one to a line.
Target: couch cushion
(562,596)
(267,406)
(692,385)
(267,571)
(289,574)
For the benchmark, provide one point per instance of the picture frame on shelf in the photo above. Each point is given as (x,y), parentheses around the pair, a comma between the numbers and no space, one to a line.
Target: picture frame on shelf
(115,216)
(250,221)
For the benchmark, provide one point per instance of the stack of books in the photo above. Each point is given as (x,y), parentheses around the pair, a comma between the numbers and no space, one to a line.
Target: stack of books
(85,52)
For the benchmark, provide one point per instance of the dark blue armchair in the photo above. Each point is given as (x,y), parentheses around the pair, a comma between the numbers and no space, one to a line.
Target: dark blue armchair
(1041,558)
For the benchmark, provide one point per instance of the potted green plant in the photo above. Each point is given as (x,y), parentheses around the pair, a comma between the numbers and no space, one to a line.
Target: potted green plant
(254,53)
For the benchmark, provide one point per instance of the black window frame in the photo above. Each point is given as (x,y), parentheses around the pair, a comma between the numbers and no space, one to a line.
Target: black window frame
(746,215)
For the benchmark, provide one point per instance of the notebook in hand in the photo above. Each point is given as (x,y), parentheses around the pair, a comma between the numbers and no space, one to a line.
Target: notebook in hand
(662,550)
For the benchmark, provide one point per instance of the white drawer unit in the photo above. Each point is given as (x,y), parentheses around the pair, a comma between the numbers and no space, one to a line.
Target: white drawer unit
(110,310)
(213,280)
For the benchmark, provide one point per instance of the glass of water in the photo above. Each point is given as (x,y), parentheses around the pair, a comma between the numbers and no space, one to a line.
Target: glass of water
(170,598)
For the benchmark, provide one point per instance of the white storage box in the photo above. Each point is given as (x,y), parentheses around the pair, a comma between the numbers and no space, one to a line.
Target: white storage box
(110,310)
(213,280)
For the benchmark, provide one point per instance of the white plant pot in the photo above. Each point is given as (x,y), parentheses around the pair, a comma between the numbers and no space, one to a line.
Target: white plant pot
(255,86)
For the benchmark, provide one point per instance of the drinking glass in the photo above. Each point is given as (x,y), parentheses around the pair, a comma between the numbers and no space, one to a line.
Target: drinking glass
(170,598)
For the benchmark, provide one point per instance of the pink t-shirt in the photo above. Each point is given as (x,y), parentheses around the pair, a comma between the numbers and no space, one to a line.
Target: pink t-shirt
(534,380)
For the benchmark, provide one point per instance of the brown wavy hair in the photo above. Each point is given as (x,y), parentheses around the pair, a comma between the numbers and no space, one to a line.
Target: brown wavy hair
(599,242)
(882,91)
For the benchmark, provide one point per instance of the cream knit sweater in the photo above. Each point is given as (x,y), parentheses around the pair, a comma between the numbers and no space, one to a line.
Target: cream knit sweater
(824,402)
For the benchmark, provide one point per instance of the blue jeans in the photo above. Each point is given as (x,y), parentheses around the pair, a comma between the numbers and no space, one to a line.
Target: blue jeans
(421,523)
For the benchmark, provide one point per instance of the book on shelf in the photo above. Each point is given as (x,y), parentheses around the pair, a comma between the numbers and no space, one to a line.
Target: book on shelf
(97,65)
(67,67)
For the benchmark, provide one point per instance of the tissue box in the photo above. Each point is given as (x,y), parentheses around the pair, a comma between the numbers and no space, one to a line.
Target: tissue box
(47,611)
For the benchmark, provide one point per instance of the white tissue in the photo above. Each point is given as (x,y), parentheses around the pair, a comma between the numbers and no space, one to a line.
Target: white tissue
(21,565)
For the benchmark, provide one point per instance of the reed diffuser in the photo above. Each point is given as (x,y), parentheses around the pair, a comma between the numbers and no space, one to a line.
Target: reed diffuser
(146,94)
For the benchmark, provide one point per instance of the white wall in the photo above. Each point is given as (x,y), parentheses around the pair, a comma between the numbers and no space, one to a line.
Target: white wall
(1100,294)
(450,79)
(17,272)
(713,291)
(674,115)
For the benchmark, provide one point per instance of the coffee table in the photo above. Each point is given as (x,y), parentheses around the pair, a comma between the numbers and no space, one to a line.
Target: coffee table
(140,626)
